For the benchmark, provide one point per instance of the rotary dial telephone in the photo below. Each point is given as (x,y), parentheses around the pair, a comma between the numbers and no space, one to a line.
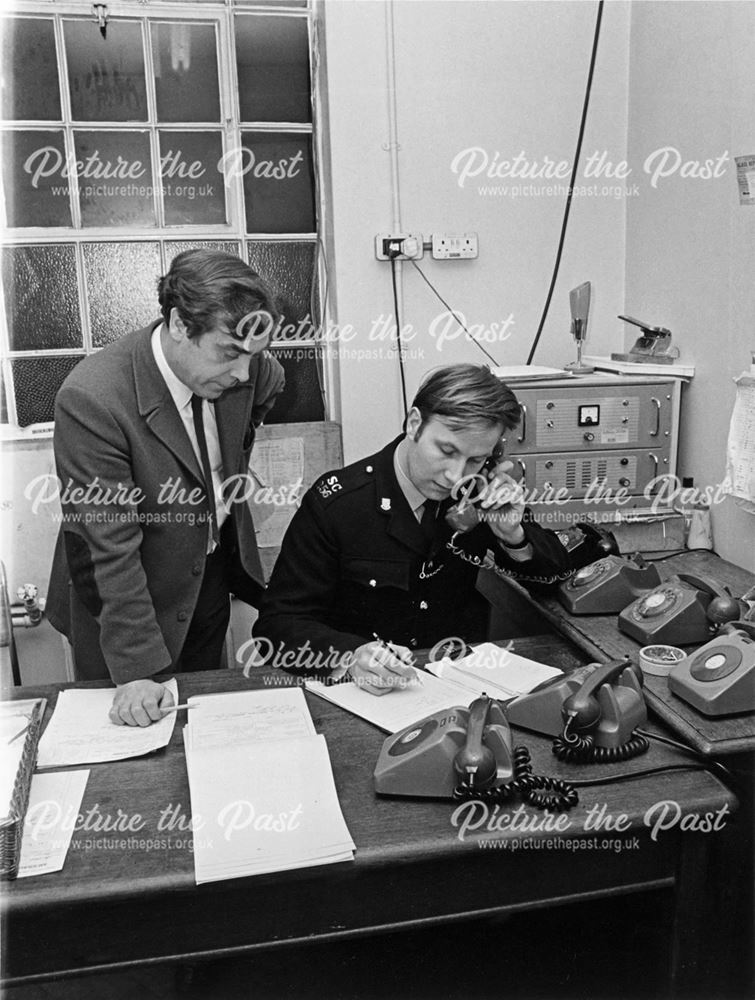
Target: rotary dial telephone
(685,609)
(608,585)
(719,677)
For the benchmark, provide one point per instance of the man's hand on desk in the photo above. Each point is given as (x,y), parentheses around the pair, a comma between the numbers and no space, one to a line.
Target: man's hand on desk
(139,703)
(379,670)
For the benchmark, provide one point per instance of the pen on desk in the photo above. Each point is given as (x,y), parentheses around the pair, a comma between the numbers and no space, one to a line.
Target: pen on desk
(175,708)
(392,649)
(19,733)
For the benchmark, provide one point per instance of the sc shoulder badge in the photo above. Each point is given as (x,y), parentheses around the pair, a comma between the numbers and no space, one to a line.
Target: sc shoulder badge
(328,486)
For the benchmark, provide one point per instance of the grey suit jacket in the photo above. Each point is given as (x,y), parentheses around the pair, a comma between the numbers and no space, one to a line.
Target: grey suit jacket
(131,550)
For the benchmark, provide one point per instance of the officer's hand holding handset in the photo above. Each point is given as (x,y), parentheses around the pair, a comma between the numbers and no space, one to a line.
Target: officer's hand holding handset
(502,506)
(379,667)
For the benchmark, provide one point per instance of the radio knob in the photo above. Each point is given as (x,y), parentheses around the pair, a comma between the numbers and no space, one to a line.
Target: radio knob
(549,405)
(624,481)
(549,464)
(550,423)
(589,436)
(624,461)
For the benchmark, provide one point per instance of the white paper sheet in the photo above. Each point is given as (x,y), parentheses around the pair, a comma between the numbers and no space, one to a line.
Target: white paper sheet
(265,807)
(740,452)
(219,720)
(80,731)
(54,805)
(493,670)
(399,708)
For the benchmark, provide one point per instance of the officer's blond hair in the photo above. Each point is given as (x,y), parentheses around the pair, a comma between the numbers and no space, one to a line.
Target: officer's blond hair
(465,395)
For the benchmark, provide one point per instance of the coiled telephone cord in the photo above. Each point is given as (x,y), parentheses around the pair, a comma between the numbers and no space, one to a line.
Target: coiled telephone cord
(576,749)
(536,790)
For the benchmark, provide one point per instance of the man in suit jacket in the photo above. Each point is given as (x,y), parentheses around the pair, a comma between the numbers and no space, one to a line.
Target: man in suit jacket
(380,551)
(147,555)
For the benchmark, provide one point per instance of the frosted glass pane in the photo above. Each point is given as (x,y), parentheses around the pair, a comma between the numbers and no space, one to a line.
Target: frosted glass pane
(117,306)
(36,382)
(41,297)
(302,397)
(186,72)
(116,180)
(278,182)
(30,87)
(289,267)
(272,59)
(193,186)
(106,75)
(35,190)
(173,249)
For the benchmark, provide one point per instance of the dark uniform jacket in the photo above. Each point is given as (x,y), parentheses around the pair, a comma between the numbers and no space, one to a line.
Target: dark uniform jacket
(127,570)
(355,561)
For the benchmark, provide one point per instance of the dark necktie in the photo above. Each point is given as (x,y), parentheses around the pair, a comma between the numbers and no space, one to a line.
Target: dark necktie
(196,412)
(429,520)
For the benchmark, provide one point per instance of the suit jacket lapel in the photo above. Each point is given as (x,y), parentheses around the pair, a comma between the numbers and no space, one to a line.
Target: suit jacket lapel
(157,407)
(233,413)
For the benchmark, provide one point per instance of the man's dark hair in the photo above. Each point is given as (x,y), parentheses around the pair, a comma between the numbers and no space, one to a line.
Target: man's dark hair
(210,288)
(463,395)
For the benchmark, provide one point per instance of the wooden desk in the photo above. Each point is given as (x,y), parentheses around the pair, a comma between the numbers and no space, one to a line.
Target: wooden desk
(599,637)
(114,906)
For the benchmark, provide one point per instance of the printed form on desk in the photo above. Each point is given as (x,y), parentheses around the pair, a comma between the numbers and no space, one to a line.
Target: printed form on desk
(80,730)
(488,669)
(263,797)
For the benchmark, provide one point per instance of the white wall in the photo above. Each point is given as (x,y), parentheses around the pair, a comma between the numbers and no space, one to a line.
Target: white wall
(508,78)
(690,245)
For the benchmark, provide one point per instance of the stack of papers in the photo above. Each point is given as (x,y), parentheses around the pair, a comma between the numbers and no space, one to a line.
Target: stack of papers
(80,731)
(488,669)
(528,373)
(263,797)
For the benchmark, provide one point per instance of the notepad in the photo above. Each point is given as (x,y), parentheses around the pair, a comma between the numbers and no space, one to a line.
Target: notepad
(399,708)
(80,730)
(263,798)
(493,670)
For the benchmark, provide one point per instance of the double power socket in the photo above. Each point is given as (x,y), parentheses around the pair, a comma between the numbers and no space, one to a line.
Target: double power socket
(412,246)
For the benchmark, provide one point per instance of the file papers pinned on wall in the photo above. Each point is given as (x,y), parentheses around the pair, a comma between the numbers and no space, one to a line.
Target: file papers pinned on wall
(80,731)
(263,797)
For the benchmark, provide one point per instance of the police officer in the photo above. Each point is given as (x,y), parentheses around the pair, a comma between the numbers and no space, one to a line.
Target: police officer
(382,556)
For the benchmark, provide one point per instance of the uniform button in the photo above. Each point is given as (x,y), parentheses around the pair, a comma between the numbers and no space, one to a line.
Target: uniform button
(196,569)
(368,469)
(373,583)
(423,605)
(182,616)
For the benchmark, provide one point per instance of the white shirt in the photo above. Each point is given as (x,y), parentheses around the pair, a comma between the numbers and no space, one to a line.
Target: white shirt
(413,496)
(181,395)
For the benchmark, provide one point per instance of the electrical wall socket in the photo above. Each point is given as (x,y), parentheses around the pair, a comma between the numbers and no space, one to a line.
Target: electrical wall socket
(383,243)
(454,247)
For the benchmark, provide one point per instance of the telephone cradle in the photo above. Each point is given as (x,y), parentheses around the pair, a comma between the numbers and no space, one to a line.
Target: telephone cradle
(719,677)
(608,585)
(685,609)
(467,752)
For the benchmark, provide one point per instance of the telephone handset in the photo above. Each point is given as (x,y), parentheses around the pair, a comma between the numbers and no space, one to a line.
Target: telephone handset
(464,753)
(585,542)
(432,757)
(719,677)
(608,585)
(464,515)
(683,610)
(592,713)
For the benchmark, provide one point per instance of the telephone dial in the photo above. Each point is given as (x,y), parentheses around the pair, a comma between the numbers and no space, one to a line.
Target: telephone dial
(719,677)
(683,610)
(608,585)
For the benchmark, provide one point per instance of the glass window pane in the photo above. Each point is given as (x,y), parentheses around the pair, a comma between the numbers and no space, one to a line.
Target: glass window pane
(302,396)
(117,307)
(193,186)
(278,182)
(186,72)
(115,178)
(34,181)
(289,267)
(36,382)
(106,75)
(29,77)
(174,248)
(41,297)
(272,59)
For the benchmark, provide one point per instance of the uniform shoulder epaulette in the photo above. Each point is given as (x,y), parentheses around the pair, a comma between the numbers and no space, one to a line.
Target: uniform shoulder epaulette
(342,481)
